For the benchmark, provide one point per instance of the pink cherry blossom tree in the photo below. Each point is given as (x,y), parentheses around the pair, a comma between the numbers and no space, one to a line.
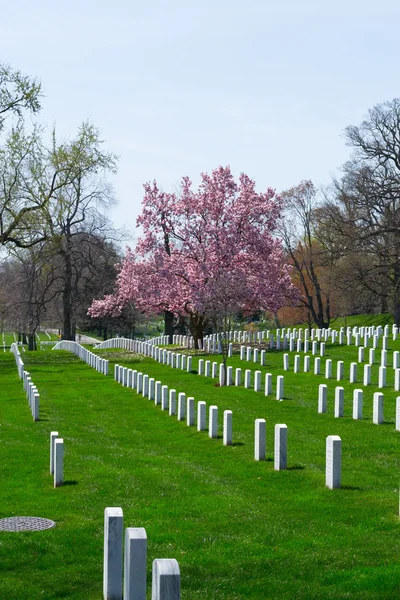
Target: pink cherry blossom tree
(205,254)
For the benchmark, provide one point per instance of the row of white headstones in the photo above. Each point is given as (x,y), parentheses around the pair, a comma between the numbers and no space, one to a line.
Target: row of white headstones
(353,369)
(90,358)
(125,563)
(283,336)
(210,369)
(94,361)
(162,396)
(155,391)
(177,360)
(31,390)
(300,338)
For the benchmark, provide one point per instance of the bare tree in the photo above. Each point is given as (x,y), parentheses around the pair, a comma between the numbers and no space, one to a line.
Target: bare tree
(78,208)
(312,265)
(362,210)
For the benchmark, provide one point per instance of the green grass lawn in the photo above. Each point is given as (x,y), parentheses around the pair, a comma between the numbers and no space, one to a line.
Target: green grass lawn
(238,529)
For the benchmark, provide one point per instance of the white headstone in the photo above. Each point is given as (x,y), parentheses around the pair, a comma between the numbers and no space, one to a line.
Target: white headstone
(222,374)
(181,406)
(152,385)
(382,377)
(213,422)
(201,416)
(172,402)
(164,397)
(190,411)
(279,387)
(139,385)
(166,579)
(322,397)
(257,381)
(361,354)
(378,408)
(227,427)
(367,375)
(317,365)
(208,368)
(328,369)
(112,566)
(398,413)
(268,384)
(286,362)
(371,356)
(135,568)
(260,440)
(238,377)
(397,380)
(339,370)
(53,437)
(247,378)
(214,370)
(280,452)
(333,461)
(58,462)
(157,395)
(339,402)
(357,404)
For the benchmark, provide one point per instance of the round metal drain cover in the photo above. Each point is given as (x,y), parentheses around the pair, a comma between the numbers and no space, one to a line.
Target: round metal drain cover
(25,524)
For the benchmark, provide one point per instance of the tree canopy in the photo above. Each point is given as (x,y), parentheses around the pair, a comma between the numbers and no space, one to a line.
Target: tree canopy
(205,252)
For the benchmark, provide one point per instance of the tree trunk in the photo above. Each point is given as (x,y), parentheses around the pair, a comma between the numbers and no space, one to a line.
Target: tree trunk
(277,322)
(68,333)
(396,294)
(32,341)
(384,304)
(169,325)
(196,327)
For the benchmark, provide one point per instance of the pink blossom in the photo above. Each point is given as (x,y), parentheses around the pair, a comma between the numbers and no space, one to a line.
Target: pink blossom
(206,250)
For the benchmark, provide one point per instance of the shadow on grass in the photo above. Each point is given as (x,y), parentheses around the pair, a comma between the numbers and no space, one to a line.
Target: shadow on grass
(296,468)
(237,444)
(351,487)
(70,482)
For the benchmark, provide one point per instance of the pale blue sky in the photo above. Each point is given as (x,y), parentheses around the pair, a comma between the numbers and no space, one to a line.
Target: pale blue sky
(179,87)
